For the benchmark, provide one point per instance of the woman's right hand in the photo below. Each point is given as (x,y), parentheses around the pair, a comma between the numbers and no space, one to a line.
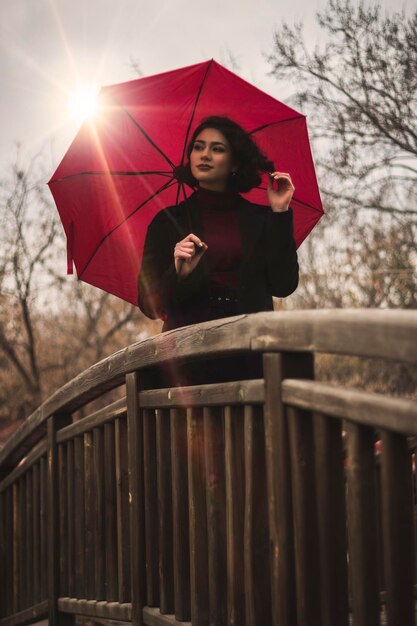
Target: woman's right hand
(187,254)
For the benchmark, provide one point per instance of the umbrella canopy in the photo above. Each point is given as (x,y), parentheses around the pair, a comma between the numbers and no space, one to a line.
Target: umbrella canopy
(119,172)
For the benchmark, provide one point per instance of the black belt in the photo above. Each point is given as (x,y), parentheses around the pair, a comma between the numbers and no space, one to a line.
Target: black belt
(222,302)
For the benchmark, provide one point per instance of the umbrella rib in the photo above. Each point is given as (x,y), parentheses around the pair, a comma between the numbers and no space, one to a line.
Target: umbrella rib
(178,195)
(144,133)
(110,173)
(291,119)
(157,192)
(309,206)
(200,89)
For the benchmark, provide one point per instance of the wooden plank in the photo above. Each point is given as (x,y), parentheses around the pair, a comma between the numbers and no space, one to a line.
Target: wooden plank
(366,332)
(374,333)
(89,528)
(199,591)
(32,458)
(362,537)
(153,617)
(110,514)
(63,519)
(71,518)
(216,513)
(137,499)
(218,394)
(258,604)
(235,513)
(306,537)
(27,616)
(165,540)
(379,519)
(8,554)
(10,550)
(331,509)
(79,518)
(277,367)
(43,528)
(398,529)
(16,542)
(412,443)
(36,540)
(151,507)
(3,561)
(29,539)
(378,411)
(99,418)
(122,498)
(99,514)
(180,531)
(22,599)
(102,610)
(54,423)
(85,607)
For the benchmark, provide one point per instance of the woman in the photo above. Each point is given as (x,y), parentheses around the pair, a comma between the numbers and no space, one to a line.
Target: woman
(216,254)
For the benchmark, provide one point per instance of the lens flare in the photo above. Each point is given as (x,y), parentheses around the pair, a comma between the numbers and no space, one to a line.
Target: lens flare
(83,103)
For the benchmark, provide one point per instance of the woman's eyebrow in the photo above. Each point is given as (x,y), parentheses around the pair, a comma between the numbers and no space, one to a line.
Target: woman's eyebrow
(211,143)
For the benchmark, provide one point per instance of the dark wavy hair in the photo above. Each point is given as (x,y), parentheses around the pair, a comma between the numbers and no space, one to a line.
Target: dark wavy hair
(249,159)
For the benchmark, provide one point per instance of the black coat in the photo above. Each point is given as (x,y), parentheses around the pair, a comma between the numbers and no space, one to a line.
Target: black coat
(268,268)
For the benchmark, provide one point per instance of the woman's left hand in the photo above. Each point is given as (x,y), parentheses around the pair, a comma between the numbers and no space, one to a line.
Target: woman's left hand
(280,191)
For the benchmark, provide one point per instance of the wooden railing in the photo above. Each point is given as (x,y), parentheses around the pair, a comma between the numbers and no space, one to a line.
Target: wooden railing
(254,501)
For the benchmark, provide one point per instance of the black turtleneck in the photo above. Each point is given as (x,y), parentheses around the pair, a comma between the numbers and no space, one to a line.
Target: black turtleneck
(221,232)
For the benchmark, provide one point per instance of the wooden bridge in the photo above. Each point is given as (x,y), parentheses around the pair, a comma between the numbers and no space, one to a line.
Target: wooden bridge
(200,499)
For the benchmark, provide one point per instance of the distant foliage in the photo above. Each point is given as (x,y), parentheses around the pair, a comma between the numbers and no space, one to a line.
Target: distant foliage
(51,326)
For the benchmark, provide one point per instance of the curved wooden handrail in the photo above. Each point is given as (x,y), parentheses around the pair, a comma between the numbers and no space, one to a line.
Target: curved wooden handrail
(255,482)
(388,334)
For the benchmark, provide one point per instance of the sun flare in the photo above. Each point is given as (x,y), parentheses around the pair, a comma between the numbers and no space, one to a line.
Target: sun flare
(83,103)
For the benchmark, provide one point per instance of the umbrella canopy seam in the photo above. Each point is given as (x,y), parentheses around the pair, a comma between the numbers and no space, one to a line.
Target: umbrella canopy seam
(107,235)
(143,131)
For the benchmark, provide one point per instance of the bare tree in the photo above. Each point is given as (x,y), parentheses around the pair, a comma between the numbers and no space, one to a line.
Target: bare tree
(376,267)
(51,327)
(360,91)
(26,241)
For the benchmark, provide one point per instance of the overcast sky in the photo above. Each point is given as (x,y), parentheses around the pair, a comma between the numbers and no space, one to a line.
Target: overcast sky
(47,47)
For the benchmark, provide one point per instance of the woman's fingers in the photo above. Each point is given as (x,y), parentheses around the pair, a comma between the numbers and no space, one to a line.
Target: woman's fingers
(280,191)
(279,174)
(183,255)
(283,177)
(189,245)
(188,251)
(194,239)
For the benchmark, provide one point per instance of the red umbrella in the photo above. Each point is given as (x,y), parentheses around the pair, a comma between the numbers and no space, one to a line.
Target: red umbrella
(119,170)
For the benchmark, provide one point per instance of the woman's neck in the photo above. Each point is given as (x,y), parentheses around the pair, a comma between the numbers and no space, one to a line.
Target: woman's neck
(216,187)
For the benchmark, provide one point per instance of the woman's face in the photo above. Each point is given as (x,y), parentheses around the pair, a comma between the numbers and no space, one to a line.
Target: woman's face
(211,160)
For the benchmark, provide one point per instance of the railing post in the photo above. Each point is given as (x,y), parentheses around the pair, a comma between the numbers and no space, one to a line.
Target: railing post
(55,618)
(278,366)
(398,528)
(362,524)
(136,499)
